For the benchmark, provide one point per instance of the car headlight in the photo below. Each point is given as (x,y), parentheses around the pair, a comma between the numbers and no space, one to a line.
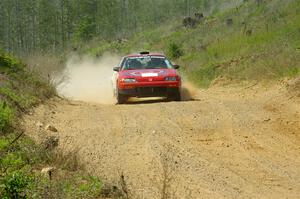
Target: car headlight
(129,80)
(171,79)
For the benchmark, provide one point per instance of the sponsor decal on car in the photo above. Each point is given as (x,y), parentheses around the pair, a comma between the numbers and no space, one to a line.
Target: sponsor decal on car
(149,74)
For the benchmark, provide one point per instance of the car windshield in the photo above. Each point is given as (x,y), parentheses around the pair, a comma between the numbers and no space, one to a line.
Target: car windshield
(147,62)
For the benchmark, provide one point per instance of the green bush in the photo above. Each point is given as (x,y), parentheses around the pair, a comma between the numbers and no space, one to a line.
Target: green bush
(12,161)
(3,144)
(20,100)
(6,116)
(86,29)
(14,185)
(174,51)
(9,62)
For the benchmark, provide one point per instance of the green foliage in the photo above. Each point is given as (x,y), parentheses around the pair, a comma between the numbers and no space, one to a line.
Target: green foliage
(13,161)
(92,185)
(81,186)
(19,90)
(6,116)
(203,76)
(19,100)
(3,144)
(15,165)
(55,25)
(20,154)
(261,43)
(86,29)
(15,184)
(174,51)
(9,63)
(24,156)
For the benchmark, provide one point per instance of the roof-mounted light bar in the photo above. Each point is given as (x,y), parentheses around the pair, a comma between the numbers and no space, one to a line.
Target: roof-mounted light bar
(144,53)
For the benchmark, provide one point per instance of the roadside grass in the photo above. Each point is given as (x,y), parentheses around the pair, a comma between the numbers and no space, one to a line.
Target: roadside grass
(261,43)
(45,66)
(6,117)
(21,159)
(21,176)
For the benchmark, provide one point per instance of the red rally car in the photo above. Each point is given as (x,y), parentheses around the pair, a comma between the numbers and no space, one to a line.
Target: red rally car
(146,75)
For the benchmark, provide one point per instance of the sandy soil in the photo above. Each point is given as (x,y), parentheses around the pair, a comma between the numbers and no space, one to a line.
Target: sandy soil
(230,142)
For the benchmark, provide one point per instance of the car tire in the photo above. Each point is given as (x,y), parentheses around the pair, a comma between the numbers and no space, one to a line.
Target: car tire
(121,99)
(176,96)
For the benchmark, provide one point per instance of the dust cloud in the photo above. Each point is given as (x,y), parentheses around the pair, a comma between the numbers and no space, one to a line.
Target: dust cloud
(88,79)
(188,90)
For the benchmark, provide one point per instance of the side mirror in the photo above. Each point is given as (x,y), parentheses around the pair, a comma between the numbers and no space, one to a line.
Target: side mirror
(176,66)
(117,69)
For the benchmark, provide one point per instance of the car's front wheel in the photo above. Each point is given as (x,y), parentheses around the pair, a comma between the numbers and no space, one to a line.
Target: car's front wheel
(174,96)
(121,99)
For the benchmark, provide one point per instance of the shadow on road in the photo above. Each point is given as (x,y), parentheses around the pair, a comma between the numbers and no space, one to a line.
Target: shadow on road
(134,101)
(186,95)
(153,101)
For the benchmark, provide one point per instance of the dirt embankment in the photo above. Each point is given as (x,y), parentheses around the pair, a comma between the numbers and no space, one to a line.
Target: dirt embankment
(231,142)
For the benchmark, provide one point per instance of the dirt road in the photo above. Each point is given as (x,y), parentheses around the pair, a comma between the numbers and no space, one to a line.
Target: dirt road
(230,142)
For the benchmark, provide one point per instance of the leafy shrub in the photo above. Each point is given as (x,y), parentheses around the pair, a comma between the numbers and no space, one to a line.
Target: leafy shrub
(3,143)
(19,99)
(10,62)
(14,185)
(12,161)
(6,116)
(174,51)
(86,29)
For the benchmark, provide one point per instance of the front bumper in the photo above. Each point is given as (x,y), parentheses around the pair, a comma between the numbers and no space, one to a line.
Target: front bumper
(167,84)
(149,91)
